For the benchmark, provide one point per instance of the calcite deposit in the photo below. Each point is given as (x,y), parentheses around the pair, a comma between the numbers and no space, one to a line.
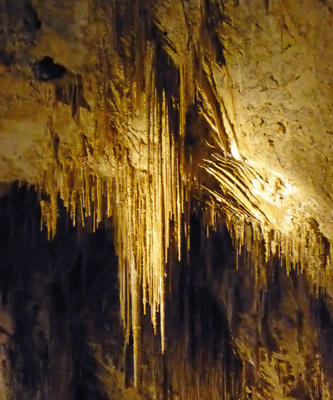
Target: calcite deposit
(194,138)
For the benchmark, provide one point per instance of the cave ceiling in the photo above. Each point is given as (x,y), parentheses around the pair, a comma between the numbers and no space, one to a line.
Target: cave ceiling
(173,120)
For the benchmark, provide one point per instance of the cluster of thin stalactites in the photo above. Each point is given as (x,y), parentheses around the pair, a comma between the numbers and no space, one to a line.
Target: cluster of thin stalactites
(150,205)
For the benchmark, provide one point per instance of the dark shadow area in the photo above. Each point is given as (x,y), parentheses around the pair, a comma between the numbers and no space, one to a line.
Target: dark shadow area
(47,70)
(62,297)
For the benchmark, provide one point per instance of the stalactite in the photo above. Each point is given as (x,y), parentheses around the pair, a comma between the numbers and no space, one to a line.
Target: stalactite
(150,202)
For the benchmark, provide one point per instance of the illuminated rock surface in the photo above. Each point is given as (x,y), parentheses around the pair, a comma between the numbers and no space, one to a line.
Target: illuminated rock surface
(199,133)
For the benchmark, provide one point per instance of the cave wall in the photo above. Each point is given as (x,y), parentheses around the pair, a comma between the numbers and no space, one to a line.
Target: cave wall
(233,101)
(227,335)
(61,331)
(268,66)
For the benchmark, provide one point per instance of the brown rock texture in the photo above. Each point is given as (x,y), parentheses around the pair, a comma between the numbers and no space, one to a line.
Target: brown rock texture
(201,131)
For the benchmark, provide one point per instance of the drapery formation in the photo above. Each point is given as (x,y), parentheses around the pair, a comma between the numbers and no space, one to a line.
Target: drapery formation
(146,126)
